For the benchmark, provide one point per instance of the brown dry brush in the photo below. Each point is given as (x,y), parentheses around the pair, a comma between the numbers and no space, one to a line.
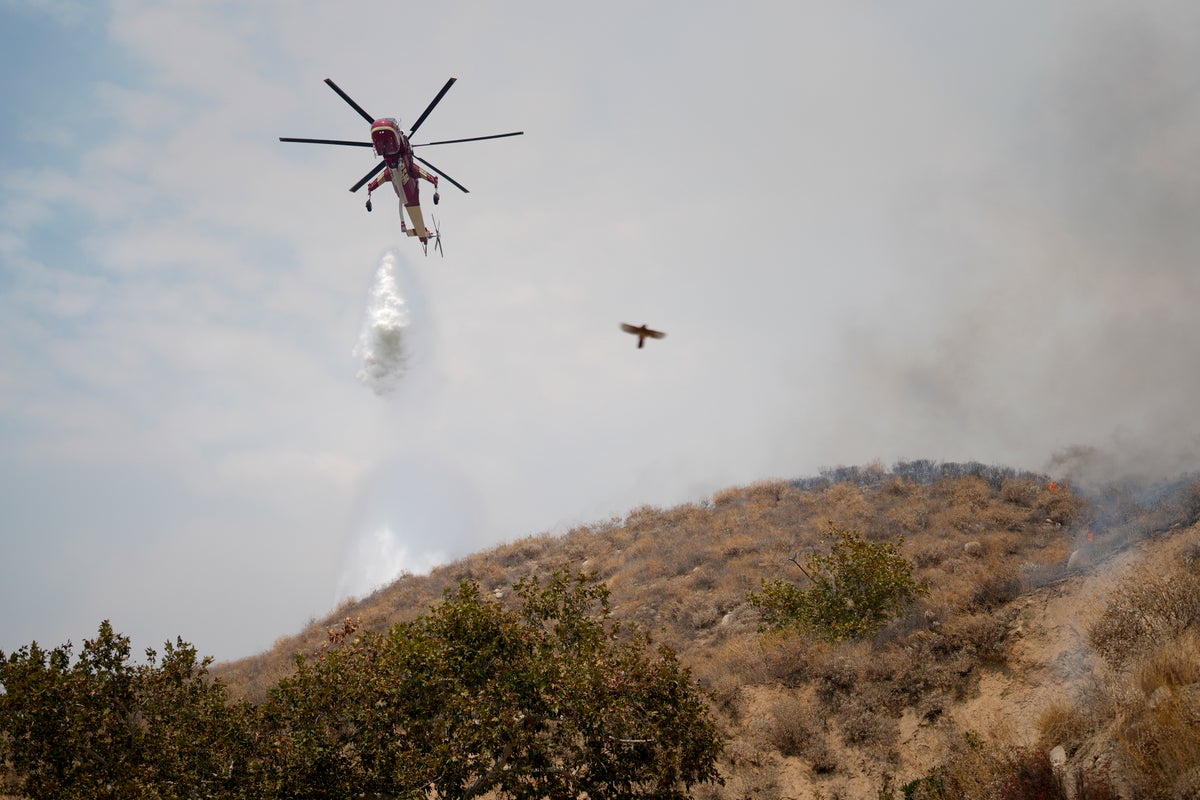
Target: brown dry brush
(1158,725)
(975,772)
(1146,610)
(1148,707)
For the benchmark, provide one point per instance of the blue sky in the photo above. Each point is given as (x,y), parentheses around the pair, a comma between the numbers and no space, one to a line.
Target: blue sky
(871,231)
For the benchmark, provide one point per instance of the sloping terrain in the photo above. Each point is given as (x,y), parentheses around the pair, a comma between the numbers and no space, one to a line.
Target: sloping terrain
(1018,567)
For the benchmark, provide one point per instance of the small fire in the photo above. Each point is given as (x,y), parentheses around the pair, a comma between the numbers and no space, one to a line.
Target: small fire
(1055,486)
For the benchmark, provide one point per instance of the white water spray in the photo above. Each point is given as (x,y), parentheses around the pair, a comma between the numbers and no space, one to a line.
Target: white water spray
(383,344)
(380,557)
(416,509)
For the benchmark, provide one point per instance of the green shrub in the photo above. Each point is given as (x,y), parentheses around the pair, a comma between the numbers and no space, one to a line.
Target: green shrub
(854,589)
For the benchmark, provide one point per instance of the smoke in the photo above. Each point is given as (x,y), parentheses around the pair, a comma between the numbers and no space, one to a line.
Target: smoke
(1128,461)
(1120,163)
(385,344)
(1045,293)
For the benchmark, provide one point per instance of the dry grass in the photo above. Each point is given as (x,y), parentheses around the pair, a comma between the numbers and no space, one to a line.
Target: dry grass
(1158,726)
(864,721)
(1174,666)
(792,729)
(1065,723)
(974,772)
(1146,707)
(1146,611)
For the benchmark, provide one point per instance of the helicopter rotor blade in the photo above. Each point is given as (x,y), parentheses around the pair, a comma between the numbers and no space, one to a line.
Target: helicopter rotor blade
(429,108)
(444,175)
(472,139)
(353,104)
(368,176)
(326,141)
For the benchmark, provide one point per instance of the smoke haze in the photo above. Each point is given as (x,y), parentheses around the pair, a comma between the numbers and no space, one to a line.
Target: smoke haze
(873,231)
(1056,268)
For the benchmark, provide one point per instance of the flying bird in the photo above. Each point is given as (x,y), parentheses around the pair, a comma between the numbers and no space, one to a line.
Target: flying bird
(642,332)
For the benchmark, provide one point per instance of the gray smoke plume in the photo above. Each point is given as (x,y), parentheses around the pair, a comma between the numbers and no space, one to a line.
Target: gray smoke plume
(1047,299)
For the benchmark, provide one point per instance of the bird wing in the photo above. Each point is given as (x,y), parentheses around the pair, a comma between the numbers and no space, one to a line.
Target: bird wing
(655,334)
(630,328)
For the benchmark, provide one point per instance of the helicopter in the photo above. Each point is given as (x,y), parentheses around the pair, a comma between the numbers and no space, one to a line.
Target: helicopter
(399,165)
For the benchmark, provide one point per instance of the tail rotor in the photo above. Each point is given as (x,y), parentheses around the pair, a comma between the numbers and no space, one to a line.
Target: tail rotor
(437,238)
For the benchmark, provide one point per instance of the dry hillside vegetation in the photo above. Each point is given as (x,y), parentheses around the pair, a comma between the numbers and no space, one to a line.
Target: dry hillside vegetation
(964,696)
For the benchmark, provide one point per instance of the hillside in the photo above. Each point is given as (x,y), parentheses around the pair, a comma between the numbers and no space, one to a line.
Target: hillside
(1002,653)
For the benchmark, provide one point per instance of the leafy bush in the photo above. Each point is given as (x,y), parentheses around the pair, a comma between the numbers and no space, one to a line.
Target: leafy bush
(98,726)
(551,699)
(548,698)
(854,589)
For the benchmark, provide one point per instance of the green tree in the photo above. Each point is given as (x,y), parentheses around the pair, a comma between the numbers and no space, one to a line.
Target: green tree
(103,727)
(853,590)
(551,698)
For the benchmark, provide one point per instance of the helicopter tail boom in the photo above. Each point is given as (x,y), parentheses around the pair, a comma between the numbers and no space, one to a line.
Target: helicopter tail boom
(418,228)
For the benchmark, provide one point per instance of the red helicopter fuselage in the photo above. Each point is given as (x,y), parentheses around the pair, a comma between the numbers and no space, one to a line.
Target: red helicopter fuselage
(393,147)
(390,142)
